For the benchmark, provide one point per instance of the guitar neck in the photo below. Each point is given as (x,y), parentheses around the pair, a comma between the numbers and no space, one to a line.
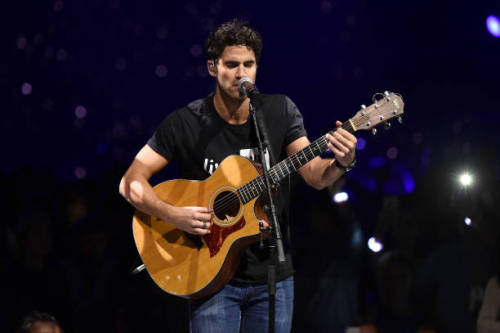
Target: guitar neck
(288,166)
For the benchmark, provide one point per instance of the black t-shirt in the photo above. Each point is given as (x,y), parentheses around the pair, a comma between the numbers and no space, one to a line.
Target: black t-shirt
(199,139)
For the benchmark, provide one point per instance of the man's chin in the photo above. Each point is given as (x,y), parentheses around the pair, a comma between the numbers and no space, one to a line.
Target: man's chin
(234,94)
(237,96)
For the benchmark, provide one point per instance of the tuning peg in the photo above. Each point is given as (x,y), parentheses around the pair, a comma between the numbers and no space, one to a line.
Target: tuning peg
(363,106)
(387,125)
(400,120)
(374,131)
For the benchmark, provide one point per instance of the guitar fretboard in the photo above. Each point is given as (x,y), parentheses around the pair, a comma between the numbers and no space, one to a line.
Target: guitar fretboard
(283,169)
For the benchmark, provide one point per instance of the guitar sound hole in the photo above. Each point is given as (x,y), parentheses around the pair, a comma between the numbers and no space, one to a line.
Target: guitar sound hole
(226,205)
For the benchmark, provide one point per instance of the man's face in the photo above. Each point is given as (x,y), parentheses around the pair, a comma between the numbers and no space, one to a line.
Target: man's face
(236,61)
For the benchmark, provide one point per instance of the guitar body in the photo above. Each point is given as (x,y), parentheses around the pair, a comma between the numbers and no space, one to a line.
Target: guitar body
(195,267)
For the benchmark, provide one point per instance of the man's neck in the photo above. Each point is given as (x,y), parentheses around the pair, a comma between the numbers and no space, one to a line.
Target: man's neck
(234,111)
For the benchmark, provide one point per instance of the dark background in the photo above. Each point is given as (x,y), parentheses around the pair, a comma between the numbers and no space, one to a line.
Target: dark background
(85,83)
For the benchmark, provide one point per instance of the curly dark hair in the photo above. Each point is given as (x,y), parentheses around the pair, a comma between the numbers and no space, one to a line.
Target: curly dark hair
(34,317)
(234,32)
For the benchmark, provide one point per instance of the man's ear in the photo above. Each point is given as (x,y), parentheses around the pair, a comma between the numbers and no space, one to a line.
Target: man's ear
(212,67)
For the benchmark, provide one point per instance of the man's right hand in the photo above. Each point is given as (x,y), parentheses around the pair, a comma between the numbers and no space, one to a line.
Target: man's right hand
(194,220)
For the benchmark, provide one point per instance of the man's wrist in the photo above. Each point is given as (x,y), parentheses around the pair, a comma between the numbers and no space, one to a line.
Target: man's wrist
(346,169)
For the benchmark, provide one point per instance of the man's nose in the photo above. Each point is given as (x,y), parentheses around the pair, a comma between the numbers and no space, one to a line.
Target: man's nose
(241,71)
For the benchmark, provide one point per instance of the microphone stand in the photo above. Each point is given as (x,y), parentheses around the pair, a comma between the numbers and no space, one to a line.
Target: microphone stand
(276,252)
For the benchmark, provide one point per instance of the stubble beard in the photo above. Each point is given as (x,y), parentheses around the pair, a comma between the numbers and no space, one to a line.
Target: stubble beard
(228,97)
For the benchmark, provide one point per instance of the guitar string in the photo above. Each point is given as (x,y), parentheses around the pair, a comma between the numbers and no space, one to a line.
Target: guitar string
(232,201)
(229,202)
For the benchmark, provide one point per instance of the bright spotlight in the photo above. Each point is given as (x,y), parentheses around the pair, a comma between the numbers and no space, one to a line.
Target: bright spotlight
(340,197)
(374,245)
(493,25)
(468,221)
(465,179)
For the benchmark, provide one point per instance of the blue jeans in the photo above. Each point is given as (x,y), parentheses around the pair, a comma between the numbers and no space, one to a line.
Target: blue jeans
(243,308)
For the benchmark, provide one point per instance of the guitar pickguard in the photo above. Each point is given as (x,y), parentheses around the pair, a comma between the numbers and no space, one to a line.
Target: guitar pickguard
(218,234)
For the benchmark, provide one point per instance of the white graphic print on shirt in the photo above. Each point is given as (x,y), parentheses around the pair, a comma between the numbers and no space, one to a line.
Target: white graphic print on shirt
(209,164)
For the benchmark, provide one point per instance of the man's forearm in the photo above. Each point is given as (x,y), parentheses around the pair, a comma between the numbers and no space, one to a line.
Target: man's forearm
(139,193)
(321,173)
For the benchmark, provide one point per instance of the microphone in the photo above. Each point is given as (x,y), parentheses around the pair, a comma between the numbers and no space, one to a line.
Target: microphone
(247,87)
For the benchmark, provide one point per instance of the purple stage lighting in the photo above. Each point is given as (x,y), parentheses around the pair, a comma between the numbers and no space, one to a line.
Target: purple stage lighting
(58,6)
(26,88)
(392,153)
(161,71)
(493,25)
(361,144)
(80,172)
(80,112)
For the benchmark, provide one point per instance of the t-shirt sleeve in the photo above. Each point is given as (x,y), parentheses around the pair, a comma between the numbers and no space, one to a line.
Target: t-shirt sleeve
(295,122)
(166,138)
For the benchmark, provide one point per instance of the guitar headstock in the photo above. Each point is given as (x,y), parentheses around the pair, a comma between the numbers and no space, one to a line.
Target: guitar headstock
(389,106)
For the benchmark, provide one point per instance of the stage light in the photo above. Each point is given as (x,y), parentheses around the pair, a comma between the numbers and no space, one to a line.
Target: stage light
(80,112)
(80,172)
(468,221)
(58,6)
(392,153)
(466,179)
(161,71)
(377,162)
(26,88)
(374,245)
(22,42)
(361,144)
(61,55)
(493,25)
(340,197)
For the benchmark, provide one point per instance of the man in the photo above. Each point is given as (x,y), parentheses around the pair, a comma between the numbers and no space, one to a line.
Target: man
(200,136)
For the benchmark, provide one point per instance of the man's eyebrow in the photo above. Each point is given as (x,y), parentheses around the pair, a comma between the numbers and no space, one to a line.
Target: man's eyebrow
(247,62)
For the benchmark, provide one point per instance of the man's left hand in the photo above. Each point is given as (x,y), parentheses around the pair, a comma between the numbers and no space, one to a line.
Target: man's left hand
(343,145)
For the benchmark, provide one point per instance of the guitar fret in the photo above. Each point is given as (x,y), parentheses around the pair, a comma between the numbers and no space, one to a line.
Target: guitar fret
(250,189)
(302,158)
(247,197)
(274,176)
(280,167)
(309,150)
(241,194)
(256,189)
(284,168)
(296,162)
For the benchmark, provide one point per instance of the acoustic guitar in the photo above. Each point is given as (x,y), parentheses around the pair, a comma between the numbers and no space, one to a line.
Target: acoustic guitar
(198,266)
